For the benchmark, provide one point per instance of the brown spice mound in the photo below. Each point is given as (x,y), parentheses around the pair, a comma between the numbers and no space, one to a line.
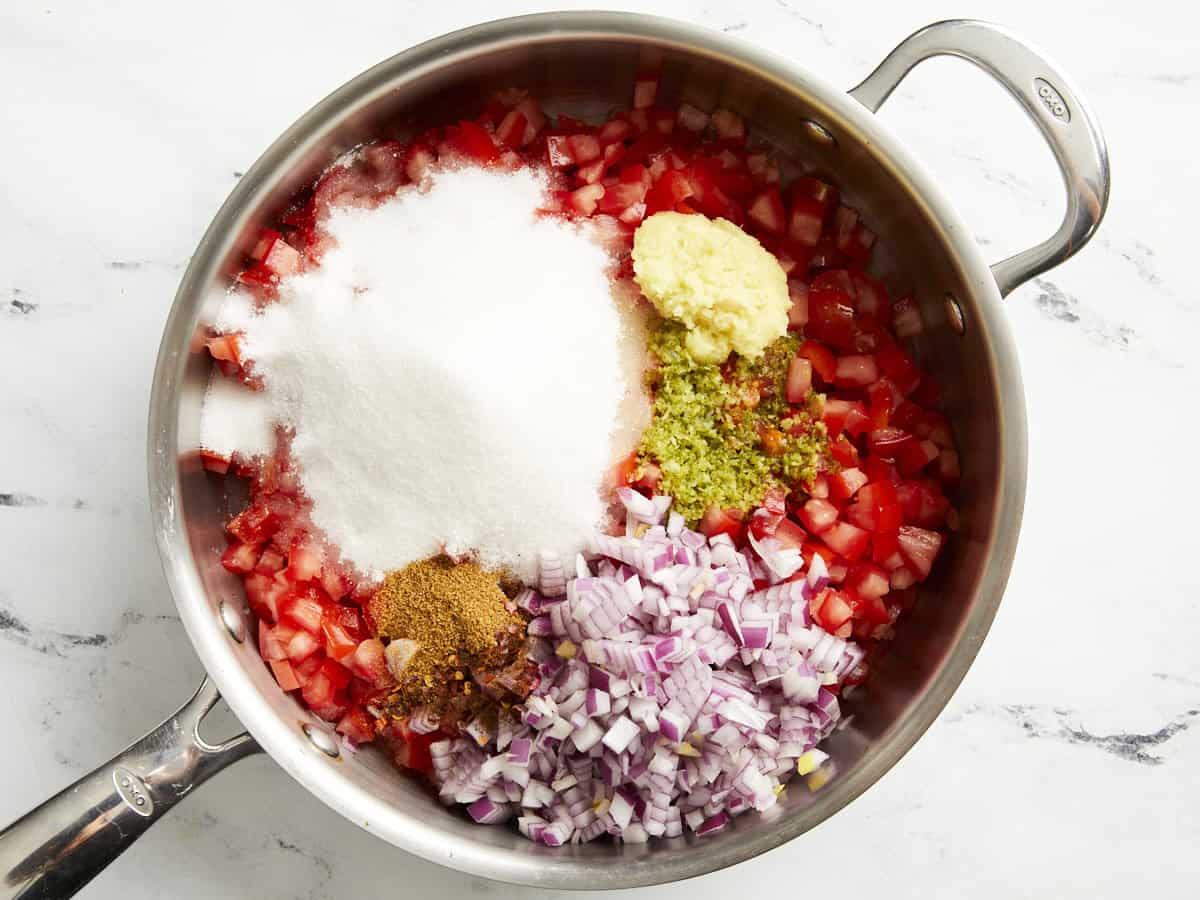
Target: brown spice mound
(472,654)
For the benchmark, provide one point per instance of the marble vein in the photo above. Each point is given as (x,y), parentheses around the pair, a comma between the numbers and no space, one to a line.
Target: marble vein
(1039,721)
(51,642)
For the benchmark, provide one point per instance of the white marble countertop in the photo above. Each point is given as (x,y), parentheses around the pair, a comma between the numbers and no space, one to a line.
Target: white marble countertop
(1065,766)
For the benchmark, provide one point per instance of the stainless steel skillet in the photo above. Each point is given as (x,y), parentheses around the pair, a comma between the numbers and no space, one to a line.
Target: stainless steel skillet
(585,63)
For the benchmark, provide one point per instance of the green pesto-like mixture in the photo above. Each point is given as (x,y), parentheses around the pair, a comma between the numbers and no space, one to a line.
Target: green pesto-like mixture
(725,434)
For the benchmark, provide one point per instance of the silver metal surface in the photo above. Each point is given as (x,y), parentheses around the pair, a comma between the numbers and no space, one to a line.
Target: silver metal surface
(57,848)
(583,63)
(321,739)
(234,620)
(1050,100)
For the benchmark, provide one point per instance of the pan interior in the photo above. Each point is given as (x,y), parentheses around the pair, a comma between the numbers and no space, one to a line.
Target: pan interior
(585,65)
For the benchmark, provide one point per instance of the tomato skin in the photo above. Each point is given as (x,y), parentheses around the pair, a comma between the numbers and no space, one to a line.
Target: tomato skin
(877,507)
(880,470)
(830,317)
(254,524)
(846,483)
(831,609)
(472,140)
(919,547)
(822,359)
(844,452)
(848,541)
(791,535)
(414,753)
(720,521)
(898,366)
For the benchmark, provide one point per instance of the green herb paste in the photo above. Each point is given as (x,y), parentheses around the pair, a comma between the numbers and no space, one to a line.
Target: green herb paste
(725,434)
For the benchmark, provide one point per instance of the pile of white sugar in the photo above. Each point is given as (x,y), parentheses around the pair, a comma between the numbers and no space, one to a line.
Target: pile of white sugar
(453,372)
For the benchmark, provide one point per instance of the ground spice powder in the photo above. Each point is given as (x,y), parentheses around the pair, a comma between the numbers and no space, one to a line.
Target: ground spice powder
(467,628)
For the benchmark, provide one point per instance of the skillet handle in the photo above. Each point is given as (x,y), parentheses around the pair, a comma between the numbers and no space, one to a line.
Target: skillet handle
(1048,97)
(54,850)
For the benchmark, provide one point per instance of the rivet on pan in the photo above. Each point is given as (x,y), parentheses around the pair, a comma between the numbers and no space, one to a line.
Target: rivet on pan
(321,739)
(232,619)
(954,315)
(817,132)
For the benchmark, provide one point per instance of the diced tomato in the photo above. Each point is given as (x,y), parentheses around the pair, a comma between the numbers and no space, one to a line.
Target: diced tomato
(844,452)
(318,692)
(885,549)
(284,674)
(414,752)
(273,640)
(225,347)
(343,630)
(672,188)
(307,669)
(270,562)
(303,605)
(799,379)
(719,521)
(876,507)
(473,141)
(241,558)
(880,470)
(614,131)
(790,535)
(886,443)
(823,192)
(339,676)
(765,520)
(823,361)
(645,91)
(619,197)
(844,415)
(919,548)
(728,125)
(805,219)
(583,148)
(818,515)
(846,483)
(301,646)
(898,366)
(692,119)
(793,257)
(304,562)
(856,371)
(369,663)
(357,725)
(214,462)
(906,317)
(882,400)
(830,317)
(830,609)
(913,456)
(335,582)
(511,130)
(766,211)
(585,199)
(826,255)
(867,580)
(922,503)
(847,540)
(798,311)
(946,466)
(254,524)
(871,300)
(263,593)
